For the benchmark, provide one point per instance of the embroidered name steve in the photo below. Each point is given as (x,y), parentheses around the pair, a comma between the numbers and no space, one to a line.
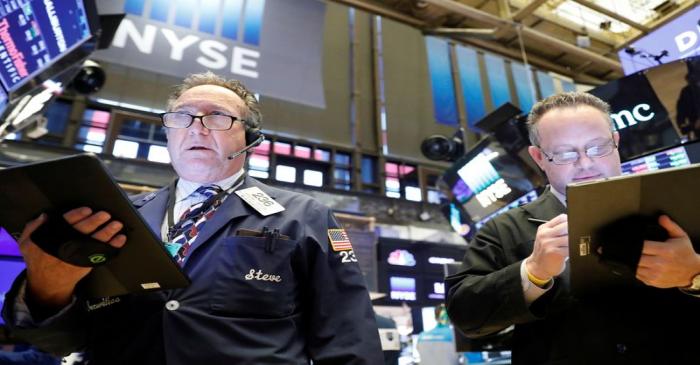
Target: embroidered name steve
(253,275)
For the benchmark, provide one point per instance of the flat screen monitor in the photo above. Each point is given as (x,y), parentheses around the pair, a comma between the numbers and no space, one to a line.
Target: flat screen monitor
(10,267)
(35,33)
(488,178)
(674,40)
(662,112)
(527,198)
(640,117)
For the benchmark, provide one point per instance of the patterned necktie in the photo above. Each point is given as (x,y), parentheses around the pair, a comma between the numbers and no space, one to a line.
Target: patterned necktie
(192,220)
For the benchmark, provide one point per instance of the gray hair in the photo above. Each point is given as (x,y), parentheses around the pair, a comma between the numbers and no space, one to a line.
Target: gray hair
(253,116)
(571,99)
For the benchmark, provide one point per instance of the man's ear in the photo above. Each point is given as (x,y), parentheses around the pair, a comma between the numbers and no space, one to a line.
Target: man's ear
(536,155)
(616,138)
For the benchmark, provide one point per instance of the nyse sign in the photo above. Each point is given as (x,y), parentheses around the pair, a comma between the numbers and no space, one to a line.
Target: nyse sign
(210,53)
(273,46)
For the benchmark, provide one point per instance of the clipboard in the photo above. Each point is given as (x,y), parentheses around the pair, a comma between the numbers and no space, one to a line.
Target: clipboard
(142,265)
(625,209)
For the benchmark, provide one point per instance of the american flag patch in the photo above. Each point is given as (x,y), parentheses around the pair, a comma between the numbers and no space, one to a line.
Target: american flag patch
(339,240)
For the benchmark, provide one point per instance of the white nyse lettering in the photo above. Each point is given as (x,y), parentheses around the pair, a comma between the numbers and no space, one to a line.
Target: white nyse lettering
(127,29)
(177,46)
(686,40)
(216,59)
(243,61)
(243,57)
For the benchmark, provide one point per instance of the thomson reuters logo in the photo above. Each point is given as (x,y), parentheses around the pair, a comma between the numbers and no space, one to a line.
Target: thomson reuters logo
(237,20)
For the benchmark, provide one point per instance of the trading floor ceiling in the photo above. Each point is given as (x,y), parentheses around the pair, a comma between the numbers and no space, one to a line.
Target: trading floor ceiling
(576,38)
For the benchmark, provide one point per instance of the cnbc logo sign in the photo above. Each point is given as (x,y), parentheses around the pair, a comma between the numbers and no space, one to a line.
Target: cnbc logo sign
(219,35)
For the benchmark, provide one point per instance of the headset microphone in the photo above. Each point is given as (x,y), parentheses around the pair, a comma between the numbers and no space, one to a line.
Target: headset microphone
(259,140)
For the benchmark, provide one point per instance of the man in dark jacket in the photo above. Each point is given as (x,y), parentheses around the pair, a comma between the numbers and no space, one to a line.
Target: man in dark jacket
(269,285)
(515,270)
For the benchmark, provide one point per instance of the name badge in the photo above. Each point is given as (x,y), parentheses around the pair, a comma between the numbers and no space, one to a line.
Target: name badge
(260,201)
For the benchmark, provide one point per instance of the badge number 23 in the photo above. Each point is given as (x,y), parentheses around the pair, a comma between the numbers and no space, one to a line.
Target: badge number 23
(348,256)
(263,199)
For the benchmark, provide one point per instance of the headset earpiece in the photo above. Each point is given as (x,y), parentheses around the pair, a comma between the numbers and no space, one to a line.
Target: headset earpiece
(252,135)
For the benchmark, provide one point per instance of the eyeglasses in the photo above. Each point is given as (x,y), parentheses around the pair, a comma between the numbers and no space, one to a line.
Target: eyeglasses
(569,157)
(214,122)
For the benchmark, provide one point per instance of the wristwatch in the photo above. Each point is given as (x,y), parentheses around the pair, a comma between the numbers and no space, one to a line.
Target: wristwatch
(694,284)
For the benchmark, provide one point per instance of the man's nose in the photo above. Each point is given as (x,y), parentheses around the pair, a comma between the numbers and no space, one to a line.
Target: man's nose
(584,161)
(198,127)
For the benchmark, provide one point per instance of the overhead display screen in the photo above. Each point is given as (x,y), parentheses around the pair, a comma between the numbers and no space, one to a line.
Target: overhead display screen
(488,178)
(34,33)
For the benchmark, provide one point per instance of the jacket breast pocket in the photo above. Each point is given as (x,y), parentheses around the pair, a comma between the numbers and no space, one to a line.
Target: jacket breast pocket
(254,280)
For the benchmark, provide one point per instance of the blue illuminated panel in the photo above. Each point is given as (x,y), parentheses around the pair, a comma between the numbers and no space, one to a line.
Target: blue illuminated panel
(567,86)
(184,12)
(134,7)
(160,9)
(252,24)
(34,33)
(444,104)
(208,12)
(524,87)
(470,78)
(232,13)
(498,81)
(546,84)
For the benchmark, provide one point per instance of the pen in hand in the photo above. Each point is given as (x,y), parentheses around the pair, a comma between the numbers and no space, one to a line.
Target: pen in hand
(535,220)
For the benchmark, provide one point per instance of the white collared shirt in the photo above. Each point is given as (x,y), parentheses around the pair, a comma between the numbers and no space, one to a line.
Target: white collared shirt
(560,196)
(185,199)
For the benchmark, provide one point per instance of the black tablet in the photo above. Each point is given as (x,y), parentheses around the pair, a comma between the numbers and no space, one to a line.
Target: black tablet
(609,219)
(59,185)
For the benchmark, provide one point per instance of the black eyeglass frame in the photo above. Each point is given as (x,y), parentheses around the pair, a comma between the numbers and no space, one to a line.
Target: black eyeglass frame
(202,120)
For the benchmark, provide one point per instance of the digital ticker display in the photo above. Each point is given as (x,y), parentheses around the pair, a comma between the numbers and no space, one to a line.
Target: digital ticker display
(674,157)
(33,33)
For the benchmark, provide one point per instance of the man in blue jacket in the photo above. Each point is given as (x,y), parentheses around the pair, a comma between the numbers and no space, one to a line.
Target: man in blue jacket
(274,277)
